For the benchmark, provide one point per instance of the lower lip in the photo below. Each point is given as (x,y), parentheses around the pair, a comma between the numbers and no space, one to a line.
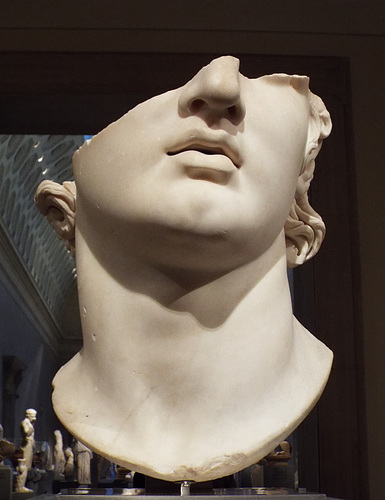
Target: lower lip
(216,168)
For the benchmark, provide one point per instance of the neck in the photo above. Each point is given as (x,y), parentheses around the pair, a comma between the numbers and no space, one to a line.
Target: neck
(150,302)
(182,366)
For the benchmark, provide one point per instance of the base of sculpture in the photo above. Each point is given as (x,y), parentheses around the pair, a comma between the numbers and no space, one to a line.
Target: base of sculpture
(5,482)
(97,492)
(23,495)
(247,494)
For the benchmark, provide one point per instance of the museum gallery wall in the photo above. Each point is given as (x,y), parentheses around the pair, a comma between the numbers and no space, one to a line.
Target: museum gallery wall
(322,289)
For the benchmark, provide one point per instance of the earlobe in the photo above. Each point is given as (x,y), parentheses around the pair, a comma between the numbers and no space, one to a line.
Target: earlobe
(58,204)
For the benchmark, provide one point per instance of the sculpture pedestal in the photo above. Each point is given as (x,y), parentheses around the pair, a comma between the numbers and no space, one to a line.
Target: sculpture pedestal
(5,482)
(23,495)
(294,496)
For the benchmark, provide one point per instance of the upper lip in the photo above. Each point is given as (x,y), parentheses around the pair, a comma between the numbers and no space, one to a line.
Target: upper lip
(208,142)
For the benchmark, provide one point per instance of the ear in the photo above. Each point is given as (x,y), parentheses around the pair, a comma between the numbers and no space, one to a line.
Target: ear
(57,203)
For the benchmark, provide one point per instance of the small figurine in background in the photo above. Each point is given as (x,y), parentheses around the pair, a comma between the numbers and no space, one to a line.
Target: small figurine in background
(83,457)
(27,447)
(58,454)
(28,435)
(69,467)
(6,448)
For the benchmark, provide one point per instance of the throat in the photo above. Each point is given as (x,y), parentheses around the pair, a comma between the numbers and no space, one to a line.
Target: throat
(245,293)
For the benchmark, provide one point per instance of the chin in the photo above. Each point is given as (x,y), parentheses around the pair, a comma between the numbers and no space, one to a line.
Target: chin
(214,243)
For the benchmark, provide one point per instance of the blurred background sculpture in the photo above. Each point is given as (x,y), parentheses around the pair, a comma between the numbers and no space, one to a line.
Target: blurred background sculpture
(6,448)
(58,456)
(83,457)
(27,447)
(69,468)
(185,214)
(46,456)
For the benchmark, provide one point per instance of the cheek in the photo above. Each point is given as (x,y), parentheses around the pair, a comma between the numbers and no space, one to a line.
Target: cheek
(105,176)
(271,174)
(272,183)
(270,196)
(275,134)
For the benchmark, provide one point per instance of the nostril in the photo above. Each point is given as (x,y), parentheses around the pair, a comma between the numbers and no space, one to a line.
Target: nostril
(233,111)
(196,105)
(237,111)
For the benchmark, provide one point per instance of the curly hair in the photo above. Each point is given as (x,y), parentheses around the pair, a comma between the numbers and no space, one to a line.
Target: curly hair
(304,227)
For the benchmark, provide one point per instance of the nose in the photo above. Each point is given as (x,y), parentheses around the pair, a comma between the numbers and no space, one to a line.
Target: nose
(214,92)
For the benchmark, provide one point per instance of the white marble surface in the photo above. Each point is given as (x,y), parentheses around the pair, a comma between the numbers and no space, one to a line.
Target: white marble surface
(188,210)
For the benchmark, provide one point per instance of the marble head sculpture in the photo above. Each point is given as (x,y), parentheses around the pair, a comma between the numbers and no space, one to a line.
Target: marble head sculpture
(188,210)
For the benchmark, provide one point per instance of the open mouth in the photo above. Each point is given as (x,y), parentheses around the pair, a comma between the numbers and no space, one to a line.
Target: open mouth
(208,150)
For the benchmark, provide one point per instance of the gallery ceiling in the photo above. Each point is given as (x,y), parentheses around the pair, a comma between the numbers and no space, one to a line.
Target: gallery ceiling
(34,260)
